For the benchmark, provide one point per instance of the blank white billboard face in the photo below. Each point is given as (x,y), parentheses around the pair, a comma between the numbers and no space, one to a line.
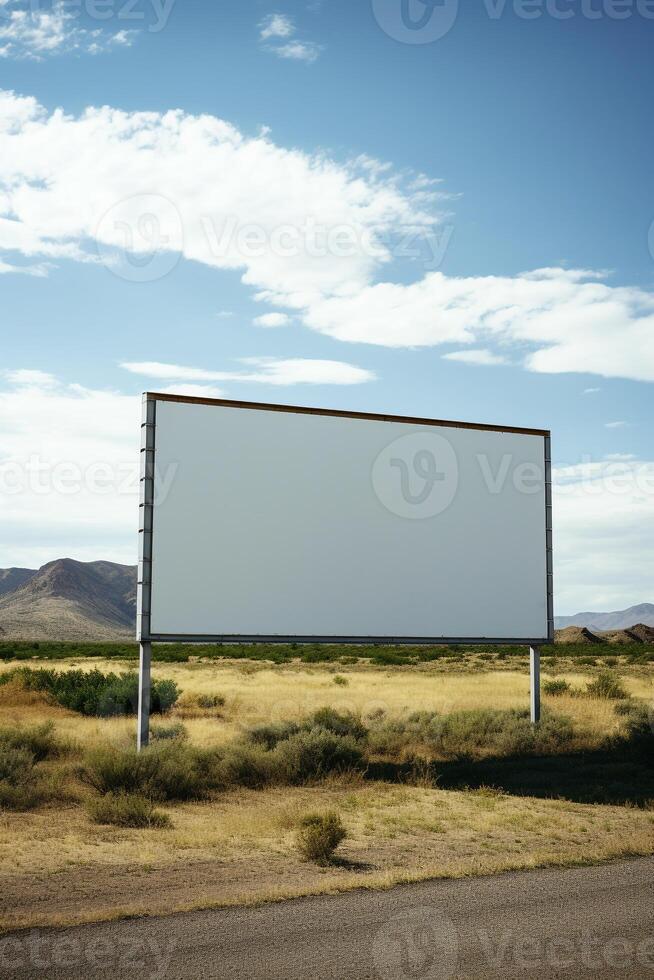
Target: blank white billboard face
(281,524)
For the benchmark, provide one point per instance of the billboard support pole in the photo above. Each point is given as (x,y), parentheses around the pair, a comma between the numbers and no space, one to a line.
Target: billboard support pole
(145,658)
(534,672)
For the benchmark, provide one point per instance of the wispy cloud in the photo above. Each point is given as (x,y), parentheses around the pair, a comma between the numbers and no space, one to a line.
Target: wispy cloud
(615,425)
(480,356)
(27,32)
(40,269)
(259,370)
(272,320)
(591,391)
(278,28)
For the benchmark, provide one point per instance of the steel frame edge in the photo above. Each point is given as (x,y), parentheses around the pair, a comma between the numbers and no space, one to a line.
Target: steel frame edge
(549,539)
(146,509)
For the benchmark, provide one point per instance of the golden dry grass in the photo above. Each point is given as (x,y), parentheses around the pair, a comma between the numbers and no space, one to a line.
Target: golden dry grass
(258,693)
(239,848)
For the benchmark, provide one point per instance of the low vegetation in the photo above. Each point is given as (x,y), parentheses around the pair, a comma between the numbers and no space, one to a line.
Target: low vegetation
(125,810)
(23,784)
(401,655)
(92,692)
(607,686)
(318,836)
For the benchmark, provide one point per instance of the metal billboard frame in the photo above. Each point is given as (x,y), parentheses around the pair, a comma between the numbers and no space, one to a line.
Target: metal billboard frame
(146,637)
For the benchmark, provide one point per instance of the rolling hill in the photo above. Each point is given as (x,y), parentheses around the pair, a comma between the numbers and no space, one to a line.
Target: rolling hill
(69,600)
(624,619)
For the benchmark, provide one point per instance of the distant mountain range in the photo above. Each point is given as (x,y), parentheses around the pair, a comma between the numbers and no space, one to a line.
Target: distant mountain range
(74,600)
(68,600)
(621,620)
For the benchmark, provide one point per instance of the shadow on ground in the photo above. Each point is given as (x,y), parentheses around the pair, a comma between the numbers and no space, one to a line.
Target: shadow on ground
(618,775)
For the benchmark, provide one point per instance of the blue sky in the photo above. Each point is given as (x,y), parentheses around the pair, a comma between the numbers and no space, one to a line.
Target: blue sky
(508,145)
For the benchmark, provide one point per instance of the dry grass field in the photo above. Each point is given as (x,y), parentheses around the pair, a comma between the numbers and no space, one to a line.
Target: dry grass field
(467,816)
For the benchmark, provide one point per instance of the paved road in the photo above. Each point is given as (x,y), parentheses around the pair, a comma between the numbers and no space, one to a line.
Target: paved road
(586,922)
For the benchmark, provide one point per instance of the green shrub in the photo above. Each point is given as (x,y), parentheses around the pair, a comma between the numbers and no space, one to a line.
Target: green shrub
(623,708)
(340,681)
(315,753)
(210,701)
(20,787)
(338,722)
(168,770)
(95,693)
(470,734)
(556,688)
(39,740)
(123,810)
(269,736)
(164,733)
(318,836)
(244,765)
(607,686)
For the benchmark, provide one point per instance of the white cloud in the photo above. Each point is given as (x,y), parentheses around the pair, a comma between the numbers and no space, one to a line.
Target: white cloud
(615,425)
(306,51)
(26,378)
(195,391)
(480,356)
(309,234)
(40,270)
(68,471)
(619,457)
(29,32)
(277,28)
(603,535)
(591,391)
(272,320)
(269,370)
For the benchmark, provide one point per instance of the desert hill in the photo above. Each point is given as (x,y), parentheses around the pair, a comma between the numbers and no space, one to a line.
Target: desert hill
(70,600)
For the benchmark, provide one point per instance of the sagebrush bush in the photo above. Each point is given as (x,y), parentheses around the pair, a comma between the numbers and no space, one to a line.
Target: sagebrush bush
(556,688)
(124,810)
(241,764)
(318,836)
(639,732)
(20,785)
(39,740)
(338,722)
(608,686)
(470,734)
(269,736)
(210,701)
(316,753)
(168,770)
(164,733)
(95,693)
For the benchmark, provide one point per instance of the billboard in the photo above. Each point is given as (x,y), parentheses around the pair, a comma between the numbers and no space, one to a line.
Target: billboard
(278,523)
